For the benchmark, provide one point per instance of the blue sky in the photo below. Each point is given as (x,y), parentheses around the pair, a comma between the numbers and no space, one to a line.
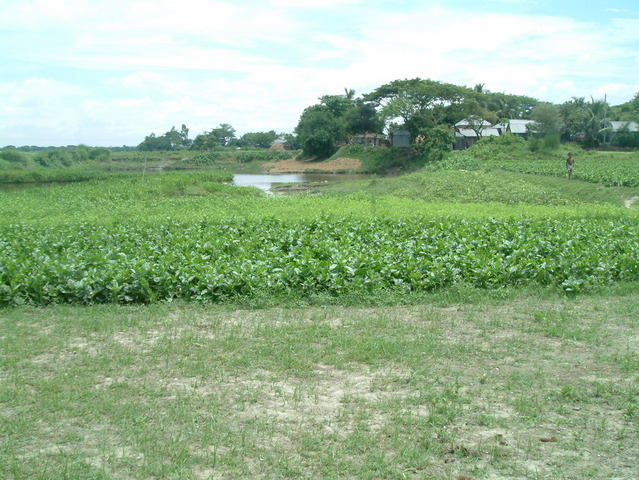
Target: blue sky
(111,72)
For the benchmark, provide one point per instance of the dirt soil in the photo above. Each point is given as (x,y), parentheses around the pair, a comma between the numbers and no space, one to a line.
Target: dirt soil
(631,201)
(292,165)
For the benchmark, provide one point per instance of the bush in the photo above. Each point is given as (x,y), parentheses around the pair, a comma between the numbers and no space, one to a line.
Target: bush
(627,139)
(435,144)
(100,154)
(552,141)
(12,155)
(534,144)
(53,158)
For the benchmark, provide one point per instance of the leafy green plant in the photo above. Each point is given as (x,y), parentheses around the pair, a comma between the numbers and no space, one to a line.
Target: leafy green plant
(214,261)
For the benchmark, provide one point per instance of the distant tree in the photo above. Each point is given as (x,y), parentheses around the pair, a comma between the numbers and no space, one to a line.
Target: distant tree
(349,94)
(184,137)
(100,154)
(55,157)
(337,117)
(507,106)
(292,141)
(418,103)
(546,119)
(319,130)
(258,139)
(152,143)
(171,140)
(597,124)
(80,153)
(478,117)
(628,111)
(362,117)
(575,115)
(13,155)
(225,134)
(435,142)
(222,136)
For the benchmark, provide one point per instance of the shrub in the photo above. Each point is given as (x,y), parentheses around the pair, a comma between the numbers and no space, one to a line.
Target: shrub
(53,158)
(12,155)
(535,144)
(552,141)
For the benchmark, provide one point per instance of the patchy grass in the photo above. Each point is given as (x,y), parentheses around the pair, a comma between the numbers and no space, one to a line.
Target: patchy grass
(524,388)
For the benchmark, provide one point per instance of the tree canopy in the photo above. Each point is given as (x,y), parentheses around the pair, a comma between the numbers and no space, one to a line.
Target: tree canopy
(171,140)
(322,126)
(222,136)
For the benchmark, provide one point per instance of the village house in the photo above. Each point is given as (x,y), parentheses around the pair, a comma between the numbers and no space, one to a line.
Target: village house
(518,127)
(400,138)
(369,140)
(619,125)
(466,132)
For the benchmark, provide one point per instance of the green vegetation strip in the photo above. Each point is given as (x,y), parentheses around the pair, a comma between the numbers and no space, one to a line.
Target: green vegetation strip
(215,261)
(614,170)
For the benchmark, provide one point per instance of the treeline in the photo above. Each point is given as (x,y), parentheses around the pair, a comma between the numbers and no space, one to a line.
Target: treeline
(219,137)
(427,109)
(53,157)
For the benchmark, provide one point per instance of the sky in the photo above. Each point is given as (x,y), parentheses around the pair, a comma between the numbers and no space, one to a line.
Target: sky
(109,73)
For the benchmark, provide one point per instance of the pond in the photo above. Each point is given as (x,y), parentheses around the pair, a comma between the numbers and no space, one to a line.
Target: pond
(262,181)
(267,181)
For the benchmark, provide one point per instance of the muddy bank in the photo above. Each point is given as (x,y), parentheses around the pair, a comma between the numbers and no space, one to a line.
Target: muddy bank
(292,165)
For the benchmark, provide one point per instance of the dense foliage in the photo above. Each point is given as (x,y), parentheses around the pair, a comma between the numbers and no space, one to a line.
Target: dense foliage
(337,117)
(171,140)
(214,261)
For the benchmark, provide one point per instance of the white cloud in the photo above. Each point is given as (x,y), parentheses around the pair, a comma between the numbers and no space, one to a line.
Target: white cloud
(304,4)
(256,65)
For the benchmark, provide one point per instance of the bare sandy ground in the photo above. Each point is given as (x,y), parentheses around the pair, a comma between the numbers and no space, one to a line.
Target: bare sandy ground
(631,201)
(292,165)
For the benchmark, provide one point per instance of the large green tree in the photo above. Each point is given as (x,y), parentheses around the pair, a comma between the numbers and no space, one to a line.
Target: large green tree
(418,103)
(628,111)
(585,121)
(221,136)
(337,117)
(507,106)
(546,119)
(171,140)
(257,139)
(597,124)
(319,131)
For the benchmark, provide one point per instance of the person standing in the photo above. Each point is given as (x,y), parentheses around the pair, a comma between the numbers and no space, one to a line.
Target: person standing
(570,162)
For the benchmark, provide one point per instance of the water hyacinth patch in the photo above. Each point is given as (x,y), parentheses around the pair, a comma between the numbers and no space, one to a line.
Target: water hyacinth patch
(214,261)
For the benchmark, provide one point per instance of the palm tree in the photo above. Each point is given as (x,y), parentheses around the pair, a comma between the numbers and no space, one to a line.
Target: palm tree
(349,94)
(596,124)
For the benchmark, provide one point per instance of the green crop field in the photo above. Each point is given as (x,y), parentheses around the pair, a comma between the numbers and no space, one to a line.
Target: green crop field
(475,319)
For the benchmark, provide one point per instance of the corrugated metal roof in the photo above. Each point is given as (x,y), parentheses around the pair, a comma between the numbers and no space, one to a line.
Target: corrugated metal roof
(519,126)
(617,125)
(470,133)
(465,123)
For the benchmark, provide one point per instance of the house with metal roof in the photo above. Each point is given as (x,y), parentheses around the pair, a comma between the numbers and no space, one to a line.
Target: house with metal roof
(619,125)
(518,127)
(467,132)
(623,134)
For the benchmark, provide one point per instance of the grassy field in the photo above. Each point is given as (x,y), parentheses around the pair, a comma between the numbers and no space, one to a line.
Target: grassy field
(522,387)
(468,321)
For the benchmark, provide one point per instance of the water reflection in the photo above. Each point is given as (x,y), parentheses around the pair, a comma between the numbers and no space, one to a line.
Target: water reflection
(266,181)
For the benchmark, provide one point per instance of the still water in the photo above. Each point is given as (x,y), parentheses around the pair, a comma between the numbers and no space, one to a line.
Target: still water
(266,181)
(262,181)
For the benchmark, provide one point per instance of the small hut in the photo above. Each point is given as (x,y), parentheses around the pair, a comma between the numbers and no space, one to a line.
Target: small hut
(400,138)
